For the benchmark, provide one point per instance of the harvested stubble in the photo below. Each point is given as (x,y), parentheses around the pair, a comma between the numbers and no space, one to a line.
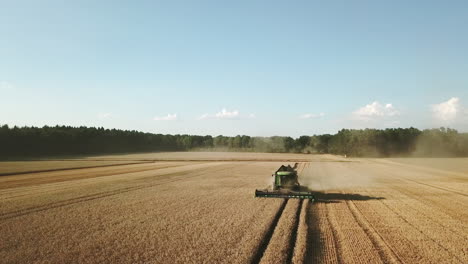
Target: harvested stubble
(300,248)
(280,245)
(390,216)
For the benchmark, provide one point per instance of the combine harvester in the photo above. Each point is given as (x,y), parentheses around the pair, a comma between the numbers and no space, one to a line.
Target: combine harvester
(285,185)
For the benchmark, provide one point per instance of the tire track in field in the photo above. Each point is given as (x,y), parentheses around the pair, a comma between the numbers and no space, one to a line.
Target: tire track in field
(35,182)
(269,234)
(433,172)
(66,202)
(429,208)
(293,239)
(428,202)
(280,245)
(334,230)
(73,168)
(31,190)
(104,194)
(344,242)
(458,236)
(302,235)
(452,207)
(386,253)
(405,220)
(398,212)
(324,246)
(421,168)
(58,186)
(437,187)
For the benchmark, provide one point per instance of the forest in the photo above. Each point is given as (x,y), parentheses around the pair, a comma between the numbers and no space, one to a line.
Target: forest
(33,142)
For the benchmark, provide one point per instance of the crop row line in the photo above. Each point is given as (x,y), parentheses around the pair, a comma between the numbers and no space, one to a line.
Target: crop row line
(269,234)
(95,196)
(405,220)
(30,190)
(292,241)
(291,244)
(72,168)
(386,253)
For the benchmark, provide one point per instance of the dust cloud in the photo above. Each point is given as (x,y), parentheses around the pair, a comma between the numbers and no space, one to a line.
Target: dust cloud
(334,175)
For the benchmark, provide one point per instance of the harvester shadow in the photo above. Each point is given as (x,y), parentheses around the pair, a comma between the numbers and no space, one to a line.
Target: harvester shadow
(321,197)
(334,197)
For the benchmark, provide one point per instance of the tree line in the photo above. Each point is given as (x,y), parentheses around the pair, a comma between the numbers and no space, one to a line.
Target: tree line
(24,142)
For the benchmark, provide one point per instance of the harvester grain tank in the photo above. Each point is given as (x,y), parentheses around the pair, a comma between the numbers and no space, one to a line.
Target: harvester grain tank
(285,184)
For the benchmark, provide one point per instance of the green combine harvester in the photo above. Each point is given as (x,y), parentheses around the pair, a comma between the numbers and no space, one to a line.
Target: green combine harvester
(285,185)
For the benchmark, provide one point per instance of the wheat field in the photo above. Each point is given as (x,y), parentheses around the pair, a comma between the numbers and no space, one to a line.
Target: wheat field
(200,208)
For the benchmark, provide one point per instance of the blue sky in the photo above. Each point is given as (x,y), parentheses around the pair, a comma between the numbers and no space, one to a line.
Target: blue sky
(259,68)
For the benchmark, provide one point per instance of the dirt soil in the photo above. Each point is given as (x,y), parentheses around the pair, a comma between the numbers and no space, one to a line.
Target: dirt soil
(202,210)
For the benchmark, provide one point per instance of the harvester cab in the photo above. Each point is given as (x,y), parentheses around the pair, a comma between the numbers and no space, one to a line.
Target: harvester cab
(285,178)
(285,185)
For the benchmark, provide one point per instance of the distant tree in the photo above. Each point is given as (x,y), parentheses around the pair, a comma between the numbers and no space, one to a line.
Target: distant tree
(66,140)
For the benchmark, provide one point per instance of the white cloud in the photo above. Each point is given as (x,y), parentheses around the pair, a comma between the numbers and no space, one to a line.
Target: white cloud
(447,111)
(375,110)
(225,114)
(104,115)
(168,117)
(309,116)
(6,86)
